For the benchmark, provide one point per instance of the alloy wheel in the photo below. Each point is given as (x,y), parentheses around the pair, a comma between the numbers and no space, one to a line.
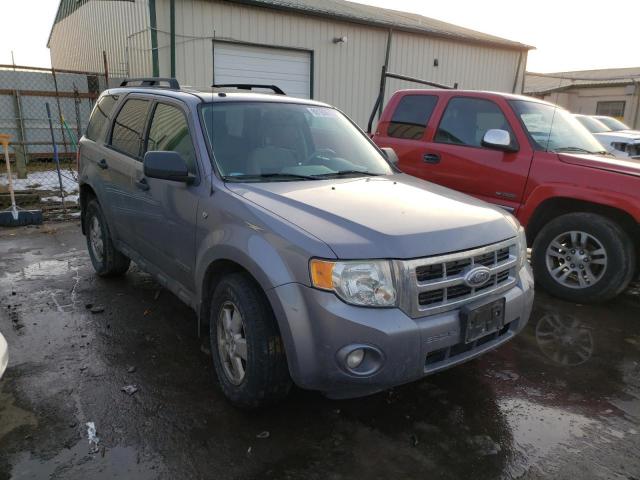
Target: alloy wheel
(576,259)
(95,237)
(232,343)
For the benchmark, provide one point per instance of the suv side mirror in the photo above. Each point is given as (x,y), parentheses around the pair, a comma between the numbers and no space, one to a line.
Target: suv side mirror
(167,166)
(391,155)
(499,140)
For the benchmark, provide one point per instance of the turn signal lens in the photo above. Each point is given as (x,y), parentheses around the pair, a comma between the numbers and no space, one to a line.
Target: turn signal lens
(322,274)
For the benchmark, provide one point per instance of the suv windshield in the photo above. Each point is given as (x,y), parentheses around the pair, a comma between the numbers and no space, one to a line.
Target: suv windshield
(593,125)
(269,141)
(613,123)
(554,129)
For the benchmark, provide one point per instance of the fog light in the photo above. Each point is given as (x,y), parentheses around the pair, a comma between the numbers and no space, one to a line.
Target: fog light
(355,358)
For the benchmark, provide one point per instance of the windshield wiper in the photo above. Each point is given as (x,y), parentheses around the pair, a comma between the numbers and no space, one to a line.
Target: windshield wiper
(347,172)
(286,176)
(579,150)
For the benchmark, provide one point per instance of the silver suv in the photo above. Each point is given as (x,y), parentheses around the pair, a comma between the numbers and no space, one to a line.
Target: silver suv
(312,259)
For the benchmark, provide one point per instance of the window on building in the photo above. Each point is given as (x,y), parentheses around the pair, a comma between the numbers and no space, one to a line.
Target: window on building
(100,116)
(128,127)
(611,109)
(466,120)
(411,116)
(169,132)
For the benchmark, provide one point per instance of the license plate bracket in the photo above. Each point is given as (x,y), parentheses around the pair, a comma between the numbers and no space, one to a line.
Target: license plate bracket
(482,320)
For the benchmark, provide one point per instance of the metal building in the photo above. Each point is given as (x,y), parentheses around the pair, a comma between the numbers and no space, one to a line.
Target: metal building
(330,50)
(614,92)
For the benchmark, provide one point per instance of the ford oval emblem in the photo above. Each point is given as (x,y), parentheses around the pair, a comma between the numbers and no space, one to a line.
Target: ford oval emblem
(477,276)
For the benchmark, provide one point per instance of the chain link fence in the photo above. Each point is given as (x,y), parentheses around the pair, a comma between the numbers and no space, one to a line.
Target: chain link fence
(41,178)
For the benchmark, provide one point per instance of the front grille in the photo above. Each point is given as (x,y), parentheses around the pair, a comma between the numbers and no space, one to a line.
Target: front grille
(437,284)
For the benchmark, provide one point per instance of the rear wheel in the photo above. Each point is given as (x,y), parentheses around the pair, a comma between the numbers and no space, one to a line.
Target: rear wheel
(246,347)
(106,260)
(583,257)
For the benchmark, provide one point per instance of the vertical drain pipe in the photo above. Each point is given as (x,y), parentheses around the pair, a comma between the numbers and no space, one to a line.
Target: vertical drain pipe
(154,38)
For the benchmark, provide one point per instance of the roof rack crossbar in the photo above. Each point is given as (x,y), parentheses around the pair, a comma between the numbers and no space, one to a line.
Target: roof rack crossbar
(151,82)
(250,86)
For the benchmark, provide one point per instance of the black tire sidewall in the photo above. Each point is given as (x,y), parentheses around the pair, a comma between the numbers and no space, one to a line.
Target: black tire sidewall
(259,386)
(618,246)
(94,210)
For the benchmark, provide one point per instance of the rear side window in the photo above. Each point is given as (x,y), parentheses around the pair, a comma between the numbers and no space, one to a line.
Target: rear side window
(128,127)
(169,132)
(466,120)
(100,116)
(411,116)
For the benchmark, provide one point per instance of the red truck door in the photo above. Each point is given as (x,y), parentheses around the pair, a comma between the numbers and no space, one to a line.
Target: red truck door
(452,154)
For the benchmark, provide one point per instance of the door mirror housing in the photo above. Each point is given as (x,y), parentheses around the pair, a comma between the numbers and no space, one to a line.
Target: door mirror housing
(391,155)
(499,140)
(167,166)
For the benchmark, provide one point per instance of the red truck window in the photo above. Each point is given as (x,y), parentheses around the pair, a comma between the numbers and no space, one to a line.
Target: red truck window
(466,120)
(411,116)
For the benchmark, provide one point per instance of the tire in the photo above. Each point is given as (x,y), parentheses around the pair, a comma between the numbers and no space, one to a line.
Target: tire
(266,377)
(600,266)
(106,260)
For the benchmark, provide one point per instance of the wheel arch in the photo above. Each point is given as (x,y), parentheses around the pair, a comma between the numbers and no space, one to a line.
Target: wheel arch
(554,207)
(86,192)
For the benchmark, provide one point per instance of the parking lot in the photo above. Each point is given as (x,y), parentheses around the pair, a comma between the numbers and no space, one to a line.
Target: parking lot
(560,401)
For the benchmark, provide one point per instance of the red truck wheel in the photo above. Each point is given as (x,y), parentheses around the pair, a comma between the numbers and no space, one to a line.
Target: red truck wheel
(583,257)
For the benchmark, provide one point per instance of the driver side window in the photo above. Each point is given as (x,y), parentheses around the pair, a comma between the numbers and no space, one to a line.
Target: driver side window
(170,132)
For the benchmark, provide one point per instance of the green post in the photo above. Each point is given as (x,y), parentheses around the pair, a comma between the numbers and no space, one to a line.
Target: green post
(154,38)
(172,22)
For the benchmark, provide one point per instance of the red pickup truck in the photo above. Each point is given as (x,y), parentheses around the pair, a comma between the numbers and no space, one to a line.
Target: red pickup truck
(579,205)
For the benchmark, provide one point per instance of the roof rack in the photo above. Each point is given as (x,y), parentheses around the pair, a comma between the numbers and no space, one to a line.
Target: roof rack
(172,83)
(249,86)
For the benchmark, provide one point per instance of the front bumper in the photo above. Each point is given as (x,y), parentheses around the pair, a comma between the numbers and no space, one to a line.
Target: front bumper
(4,355)
(316,326)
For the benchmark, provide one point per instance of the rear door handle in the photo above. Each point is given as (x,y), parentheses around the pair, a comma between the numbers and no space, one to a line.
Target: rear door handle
(103,164)
(142,184)
(431,158)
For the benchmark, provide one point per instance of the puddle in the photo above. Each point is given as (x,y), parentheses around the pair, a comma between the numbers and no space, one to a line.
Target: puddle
(13,417)
(77,463)
(45,268)
(540,430)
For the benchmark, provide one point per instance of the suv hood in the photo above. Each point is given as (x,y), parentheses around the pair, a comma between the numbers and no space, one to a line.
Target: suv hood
(395,216)
(618,165)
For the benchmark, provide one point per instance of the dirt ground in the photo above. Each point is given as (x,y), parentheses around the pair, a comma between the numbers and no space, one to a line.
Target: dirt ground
(561,401)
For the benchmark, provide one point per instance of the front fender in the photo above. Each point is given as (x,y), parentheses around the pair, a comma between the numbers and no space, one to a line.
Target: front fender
(606,197)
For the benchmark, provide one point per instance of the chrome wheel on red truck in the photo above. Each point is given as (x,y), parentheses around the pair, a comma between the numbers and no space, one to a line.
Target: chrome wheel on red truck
(583,257)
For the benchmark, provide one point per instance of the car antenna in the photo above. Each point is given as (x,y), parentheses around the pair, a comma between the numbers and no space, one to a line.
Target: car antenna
(553,117)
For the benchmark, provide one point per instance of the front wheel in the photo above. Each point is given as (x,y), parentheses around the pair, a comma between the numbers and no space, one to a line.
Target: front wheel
(247,350)
(583,257)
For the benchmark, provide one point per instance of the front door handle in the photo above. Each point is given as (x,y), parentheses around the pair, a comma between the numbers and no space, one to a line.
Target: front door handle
(103,164)
(142,184)
(432,158)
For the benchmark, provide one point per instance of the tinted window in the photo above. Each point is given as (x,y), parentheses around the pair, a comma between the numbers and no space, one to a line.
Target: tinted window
(466,120)
(128,127)
(100,116)
(169,132)
(411,117)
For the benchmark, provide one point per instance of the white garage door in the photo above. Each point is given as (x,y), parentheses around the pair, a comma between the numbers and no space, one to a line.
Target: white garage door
(288,69)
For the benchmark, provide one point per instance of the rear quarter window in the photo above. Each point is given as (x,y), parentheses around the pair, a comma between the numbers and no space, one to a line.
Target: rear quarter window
(411,116)
(100,117)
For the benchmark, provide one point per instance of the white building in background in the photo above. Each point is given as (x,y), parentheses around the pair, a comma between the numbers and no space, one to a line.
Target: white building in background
(614,92)
(330,50)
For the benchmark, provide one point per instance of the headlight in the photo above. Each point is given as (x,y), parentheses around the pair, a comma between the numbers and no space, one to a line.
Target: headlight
(522,248)
(367,283)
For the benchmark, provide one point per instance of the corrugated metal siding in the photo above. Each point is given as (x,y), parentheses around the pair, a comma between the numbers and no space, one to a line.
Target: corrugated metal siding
(77,40)
(345,75)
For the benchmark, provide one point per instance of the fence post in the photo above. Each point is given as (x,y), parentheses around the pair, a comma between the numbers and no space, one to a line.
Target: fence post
(64,136)
(19,147)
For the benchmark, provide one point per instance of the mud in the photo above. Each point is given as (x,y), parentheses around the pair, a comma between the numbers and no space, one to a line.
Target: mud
(560,401)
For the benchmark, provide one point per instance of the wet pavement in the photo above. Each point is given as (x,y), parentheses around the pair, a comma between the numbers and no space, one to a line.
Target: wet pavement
(560,401)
